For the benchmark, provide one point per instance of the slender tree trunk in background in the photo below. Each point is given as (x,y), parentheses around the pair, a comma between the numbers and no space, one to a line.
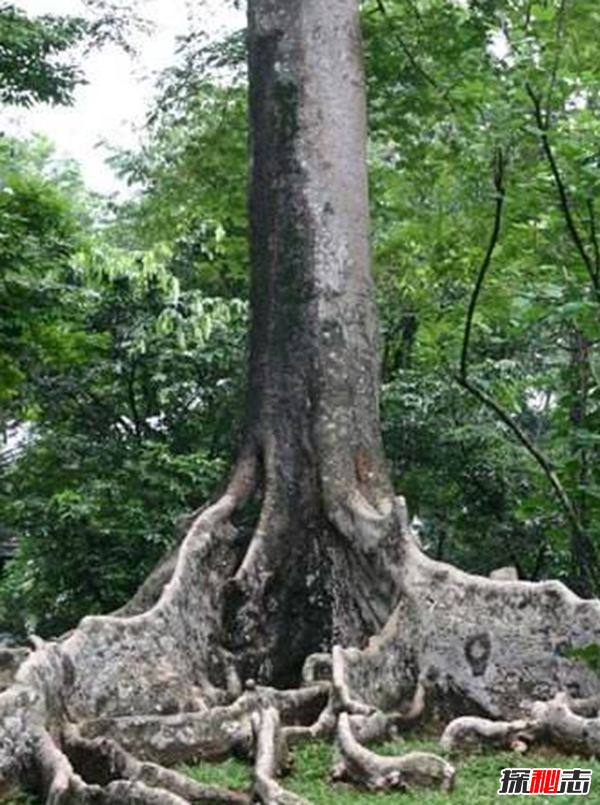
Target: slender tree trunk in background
(585,573)
(312,409)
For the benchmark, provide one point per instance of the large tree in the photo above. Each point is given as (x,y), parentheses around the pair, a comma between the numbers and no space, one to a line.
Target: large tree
(312,427)
(331,559)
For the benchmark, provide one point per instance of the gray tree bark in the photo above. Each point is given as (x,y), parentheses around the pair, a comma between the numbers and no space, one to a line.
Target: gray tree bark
(318,567)
(180,672)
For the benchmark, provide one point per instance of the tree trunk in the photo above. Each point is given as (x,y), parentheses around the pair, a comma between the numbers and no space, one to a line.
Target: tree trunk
(331,559)
(312,571)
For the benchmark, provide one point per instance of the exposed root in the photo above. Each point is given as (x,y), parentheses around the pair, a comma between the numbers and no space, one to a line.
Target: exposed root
(123,791)
(53,778)
(565,729)
(323,728)
(180,738)
(558,722)
(485,644)
(264,551)
(343,700)
(590,707)
(360,521)
(471,733)
(165,660)
(149,593)
(317,668)
(271,760)
(569,725)
(378,772)
(369,723)
(213,733)
(102,761)
(160,688)
(300,706)
(57,780)
(11,660)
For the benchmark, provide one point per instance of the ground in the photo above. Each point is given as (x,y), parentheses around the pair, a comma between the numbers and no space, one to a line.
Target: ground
(477,780)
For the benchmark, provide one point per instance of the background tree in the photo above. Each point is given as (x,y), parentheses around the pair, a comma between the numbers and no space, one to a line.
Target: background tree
(37,60)
(111,365)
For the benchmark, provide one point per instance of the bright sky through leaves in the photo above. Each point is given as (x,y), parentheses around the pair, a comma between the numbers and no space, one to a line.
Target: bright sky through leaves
(113,103)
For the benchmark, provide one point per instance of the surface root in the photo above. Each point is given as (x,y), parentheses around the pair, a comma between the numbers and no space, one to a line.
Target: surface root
(271,760)
(569,725)
(363,767)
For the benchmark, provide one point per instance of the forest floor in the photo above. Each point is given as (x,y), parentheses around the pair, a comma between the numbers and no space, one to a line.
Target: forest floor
(477,783)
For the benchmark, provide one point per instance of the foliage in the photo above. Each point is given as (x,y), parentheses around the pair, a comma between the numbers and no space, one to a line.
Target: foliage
(121,339)
(192,170)
(116,375)
(451,84)
(126,381)
(38,63)
(126,440)
(34,62)
(41,224)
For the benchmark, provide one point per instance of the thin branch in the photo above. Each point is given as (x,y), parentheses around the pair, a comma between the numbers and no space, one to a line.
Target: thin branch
(594,236)
(414,62)
(563,194)
(415,10)
(482,395)
(499,171)
(527,17)
(138,422)
(529,445)
(560,32)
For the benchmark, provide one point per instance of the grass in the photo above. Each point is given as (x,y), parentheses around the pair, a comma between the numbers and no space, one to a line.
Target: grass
(477,780)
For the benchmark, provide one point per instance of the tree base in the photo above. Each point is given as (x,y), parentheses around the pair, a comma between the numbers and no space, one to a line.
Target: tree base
(97,716)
